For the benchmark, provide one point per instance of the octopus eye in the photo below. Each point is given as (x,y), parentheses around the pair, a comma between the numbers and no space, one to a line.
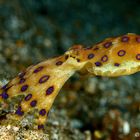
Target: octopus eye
(59,63)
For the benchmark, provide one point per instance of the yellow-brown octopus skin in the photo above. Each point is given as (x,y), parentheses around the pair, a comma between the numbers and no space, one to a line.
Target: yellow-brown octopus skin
(41,83)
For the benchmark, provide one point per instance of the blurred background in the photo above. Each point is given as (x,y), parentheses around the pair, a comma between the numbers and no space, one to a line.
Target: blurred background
(33,30)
